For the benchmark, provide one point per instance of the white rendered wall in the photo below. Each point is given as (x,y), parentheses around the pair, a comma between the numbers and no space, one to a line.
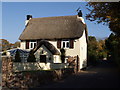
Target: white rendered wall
(83,51)
(80,49)
(57,59)
(22,44)
(70,51)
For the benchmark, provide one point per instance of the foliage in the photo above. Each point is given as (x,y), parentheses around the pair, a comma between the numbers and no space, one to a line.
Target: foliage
(92,50)
(4,53)
(16,44)
(102,52)
(5,45)
(107,13)
(17,57)
(62,55)
(96,50)
(92,58)
(113,48)
(31,57)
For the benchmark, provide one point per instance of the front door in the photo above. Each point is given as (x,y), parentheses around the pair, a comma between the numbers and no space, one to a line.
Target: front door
(43,58)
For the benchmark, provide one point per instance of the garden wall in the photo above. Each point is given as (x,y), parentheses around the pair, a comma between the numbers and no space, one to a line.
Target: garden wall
(29,79)
(17,67)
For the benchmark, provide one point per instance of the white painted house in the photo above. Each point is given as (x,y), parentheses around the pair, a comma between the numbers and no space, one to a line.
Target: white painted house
(47,35)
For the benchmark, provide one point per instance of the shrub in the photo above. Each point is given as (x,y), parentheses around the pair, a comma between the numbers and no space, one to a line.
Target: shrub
(62,55)
(4,53)
(92,58)
(17,57)
(31,57)
(102,55)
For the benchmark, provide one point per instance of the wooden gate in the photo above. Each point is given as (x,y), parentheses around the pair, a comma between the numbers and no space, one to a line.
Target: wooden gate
(74,62)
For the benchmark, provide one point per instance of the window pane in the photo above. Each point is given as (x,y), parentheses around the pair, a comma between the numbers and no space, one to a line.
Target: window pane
(34,45)
(31,45)
(67,45)
(63,44)
(43,58)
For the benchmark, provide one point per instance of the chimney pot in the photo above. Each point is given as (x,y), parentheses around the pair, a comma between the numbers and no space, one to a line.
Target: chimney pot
(80,13)
(29,17)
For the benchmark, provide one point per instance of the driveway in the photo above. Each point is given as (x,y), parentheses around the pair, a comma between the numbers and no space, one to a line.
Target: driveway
(104,75)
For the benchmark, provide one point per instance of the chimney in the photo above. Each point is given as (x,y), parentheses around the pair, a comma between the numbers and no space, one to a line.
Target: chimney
(28,18)
(79,16)
(80,13)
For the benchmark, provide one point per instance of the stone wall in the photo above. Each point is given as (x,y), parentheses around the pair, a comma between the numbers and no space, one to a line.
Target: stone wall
(29,79)
(6,70)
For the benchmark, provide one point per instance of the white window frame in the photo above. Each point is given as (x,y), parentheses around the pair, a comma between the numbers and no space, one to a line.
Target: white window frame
(65,41)
(32,45)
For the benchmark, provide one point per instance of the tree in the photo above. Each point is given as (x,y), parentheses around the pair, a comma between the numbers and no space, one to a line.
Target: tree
(4,44)
(16,44)
(107,13)
(113,47)
(17,57)
(102,52)
(96,50)
(92,50)
(31,57)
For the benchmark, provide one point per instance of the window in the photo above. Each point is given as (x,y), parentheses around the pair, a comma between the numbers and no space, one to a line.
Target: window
(32,45)
(43,58)
(65,44)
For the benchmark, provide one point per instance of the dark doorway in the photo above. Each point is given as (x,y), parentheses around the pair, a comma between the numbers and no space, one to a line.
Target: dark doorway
(43,58)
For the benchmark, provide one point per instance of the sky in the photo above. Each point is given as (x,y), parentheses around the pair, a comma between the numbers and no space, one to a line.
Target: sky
(14,16)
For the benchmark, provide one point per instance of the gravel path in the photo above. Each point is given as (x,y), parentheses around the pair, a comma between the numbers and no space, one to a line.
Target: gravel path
(104,75)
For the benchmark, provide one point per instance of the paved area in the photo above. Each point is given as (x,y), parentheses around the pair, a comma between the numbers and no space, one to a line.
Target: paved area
(104,75)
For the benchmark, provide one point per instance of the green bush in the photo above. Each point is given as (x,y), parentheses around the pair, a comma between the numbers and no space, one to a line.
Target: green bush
(92,58)
(62,55)
(17,57)
(31,57)
(102,55)
(4,53)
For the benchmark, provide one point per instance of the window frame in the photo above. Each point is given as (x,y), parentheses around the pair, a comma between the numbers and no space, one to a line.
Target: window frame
(34,43)
(65,42)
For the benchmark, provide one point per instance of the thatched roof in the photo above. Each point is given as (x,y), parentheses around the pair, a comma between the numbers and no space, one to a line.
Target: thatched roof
(61,27)
(48,45)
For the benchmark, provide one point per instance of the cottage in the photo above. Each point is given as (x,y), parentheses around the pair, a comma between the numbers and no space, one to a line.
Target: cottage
(48,35)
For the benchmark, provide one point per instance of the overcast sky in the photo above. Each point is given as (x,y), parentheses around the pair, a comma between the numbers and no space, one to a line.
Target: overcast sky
(14,16)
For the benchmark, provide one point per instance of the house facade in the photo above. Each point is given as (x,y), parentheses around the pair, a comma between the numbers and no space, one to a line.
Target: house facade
(48,35)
